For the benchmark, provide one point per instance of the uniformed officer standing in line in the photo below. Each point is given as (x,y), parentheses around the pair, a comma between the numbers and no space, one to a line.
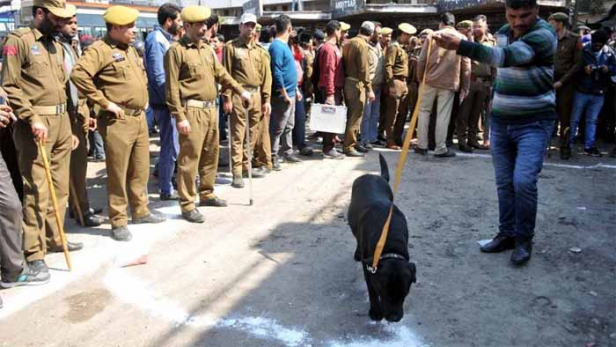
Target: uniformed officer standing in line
(245,63)
(384,42)
(111,75)
(567,61)
(357,86)
(34,78)
(396,73)
(192,71)
(263,147)
(79,114)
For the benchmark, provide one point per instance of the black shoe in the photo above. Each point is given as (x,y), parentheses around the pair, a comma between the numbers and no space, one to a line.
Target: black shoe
(255,174)
(238,182)
(276,165)
(213,202)
(368,146)
(95,210)
(447,154)
(92,220)
(522,252)
(71,246)
(361,149)
(500,243)
(476,145)
(565,153)
(38,266)
(306,151)
(593,152)
(291,158)
(353,153)
(121,233)
(421,151)
(465,148)
(27,277)
(400,143)
(381,137)
(168,196)
(149,219)
(193,216)
(378,143)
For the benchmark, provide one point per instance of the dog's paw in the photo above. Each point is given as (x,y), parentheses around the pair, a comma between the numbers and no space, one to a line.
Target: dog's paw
(376,315)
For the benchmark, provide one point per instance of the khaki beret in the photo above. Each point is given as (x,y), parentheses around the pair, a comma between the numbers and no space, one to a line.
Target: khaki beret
(465,24)
(386,31)
(559,17)
(407,28)
(196,14)
(120,15)
(344,26)
(58,8)
(426,32)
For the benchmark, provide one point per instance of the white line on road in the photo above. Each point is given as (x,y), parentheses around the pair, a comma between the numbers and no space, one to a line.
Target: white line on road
(566,166)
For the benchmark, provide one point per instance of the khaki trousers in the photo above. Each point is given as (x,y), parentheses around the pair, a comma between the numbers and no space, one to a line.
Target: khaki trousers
(127,149)
(355,97)
(473,105)
(407,105)
(198,153)
(263,146)
(564,104)
(444,100)
(396,97)
(39,221)
(239,152)
(79,160)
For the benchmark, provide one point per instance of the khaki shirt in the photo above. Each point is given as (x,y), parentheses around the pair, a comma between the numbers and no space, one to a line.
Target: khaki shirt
(266,90)
(355,56)
(33,72)
(246,64)
(191,72)
(109,72)
(377,64)
(568,57)
(396,62)
(483,70)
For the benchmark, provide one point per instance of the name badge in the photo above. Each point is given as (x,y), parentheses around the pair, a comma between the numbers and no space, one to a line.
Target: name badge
(35,50)
(118,56)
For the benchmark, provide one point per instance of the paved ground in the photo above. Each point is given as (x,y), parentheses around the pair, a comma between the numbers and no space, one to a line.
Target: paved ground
(281,273)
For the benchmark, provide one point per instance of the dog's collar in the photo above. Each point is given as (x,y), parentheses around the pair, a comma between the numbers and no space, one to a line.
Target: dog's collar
(368,262)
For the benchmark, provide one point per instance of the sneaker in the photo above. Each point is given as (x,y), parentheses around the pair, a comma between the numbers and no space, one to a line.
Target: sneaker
(306,151)
(151,218)
(353,153)
(168,196)
(213,202)
(121,233)
(368,146)
(276,165)
(193,216)
(238,182)
(447,154)
(28,277)
(361,149)
(593,152)
(38,266)
(291,158)
(333,154)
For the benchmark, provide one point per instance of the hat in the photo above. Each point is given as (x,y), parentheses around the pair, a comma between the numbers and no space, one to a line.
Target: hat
(426,32)
(344,26)
(248,18)
(386,31)
(71,9)
(407,28)
(196,14)
(368,26)
(465,24)
(120,15)
(600,36)
(57,7)
(559,17)
(258,27)
(319,35)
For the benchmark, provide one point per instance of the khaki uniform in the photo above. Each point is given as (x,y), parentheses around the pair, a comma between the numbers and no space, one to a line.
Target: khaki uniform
(355,55)
(192,71)
(34,78)
(475,102)
(110,72)
(247,65)
(567,61)
(263,146)
(396,73)
(407,104)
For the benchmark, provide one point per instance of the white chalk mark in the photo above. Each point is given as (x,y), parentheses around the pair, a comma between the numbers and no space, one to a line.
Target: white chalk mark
(402,337)
(565,166)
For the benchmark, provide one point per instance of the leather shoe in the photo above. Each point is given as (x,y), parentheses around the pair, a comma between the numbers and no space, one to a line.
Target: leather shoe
(168,196)
(213,202)
(256,173)
(421,151)
(368,146)
(92,220)
(565,153)
(465,148)
(291,158)
(121,233)
(392,145)
(193,216)
(149,219)
(522,252)
(238,182)
(500,243)
(306,151)
(353,153)
(361,149)
(476,145)
(71,246)
(447,154)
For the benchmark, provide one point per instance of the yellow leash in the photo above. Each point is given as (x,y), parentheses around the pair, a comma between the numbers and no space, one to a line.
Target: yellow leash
(405,150)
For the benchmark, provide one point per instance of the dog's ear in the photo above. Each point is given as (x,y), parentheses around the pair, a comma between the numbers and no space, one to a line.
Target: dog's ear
(413,272)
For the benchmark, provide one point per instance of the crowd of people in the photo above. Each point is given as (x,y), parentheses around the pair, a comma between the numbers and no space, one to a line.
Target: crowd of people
(104,98)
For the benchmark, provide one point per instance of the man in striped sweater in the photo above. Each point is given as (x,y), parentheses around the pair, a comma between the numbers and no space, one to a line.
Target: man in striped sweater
(523,116)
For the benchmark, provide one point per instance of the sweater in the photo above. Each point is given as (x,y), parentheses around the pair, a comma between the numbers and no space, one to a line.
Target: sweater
(284,73)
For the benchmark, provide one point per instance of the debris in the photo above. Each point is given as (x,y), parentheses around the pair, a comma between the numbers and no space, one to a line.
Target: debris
(128,261)
(575,249)
(484,242)
(581,208)
(593,293)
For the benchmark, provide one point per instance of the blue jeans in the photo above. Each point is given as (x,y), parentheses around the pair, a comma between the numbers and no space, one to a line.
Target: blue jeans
(590,106)
(97,148)
(369,123)
(149,116)
(299,131)
(169,148)
(517,155)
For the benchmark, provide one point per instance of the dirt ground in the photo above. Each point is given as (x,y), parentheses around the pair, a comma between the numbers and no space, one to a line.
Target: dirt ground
(281,272)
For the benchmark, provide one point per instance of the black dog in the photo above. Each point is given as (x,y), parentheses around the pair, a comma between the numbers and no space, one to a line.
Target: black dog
(389,285)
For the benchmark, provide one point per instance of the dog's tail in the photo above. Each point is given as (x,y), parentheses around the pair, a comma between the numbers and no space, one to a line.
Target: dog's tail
(384,168)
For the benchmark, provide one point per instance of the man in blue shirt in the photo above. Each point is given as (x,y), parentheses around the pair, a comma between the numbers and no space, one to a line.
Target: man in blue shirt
(156,45)
(284,94)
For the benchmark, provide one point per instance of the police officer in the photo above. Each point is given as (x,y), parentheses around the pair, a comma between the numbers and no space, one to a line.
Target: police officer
(34,78)
(263,147)
(567,61)
(357,86)
(396,73)
(244,61)
(111,75)
(192,71)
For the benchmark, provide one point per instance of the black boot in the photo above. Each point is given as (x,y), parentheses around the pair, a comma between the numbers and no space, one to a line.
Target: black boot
(500,243)
(522,252)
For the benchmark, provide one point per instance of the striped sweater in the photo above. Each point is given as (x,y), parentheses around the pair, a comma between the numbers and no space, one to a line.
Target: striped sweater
(523,89)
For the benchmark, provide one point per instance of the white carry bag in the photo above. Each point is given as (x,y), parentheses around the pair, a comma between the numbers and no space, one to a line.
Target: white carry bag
(328,118)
